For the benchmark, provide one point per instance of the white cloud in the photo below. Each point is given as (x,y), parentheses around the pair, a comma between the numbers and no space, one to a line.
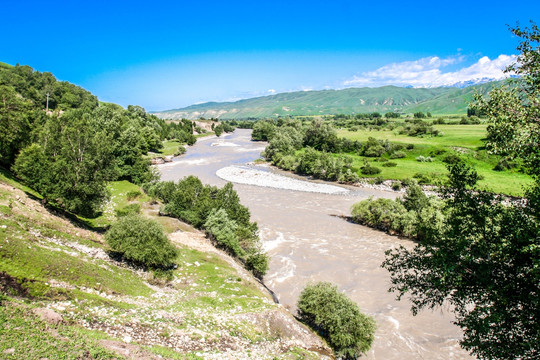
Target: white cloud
(427,72)
(271,91)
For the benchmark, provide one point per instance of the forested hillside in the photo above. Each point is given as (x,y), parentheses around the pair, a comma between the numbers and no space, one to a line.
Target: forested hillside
(64,143)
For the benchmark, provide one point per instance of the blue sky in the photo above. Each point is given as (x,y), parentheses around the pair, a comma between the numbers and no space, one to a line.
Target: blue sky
(170,54)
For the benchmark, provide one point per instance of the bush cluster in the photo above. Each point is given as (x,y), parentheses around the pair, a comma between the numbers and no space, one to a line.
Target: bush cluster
(337,319)
(219,212)
(408,217)
(142,241)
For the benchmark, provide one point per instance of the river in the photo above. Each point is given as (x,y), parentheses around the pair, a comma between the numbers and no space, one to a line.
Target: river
(307,242)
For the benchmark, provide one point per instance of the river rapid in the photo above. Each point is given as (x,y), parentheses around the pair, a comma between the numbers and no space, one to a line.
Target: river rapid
(307,242)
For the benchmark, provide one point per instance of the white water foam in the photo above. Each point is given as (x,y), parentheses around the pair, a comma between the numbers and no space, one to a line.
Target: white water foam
(287,269)
(269,245)
(224,144)
(249,176)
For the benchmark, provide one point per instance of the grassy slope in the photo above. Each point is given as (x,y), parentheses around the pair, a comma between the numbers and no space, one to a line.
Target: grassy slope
(463,139)
(346,101)
(47,262)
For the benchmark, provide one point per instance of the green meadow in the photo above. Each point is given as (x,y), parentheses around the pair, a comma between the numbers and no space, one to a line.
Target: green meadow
(463,140)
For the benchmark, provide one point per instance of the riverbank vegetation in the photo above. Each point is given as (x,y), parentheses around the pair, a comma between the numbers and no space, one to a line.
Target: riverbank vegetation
(218,212)
(379,147)
(67,145)
(337,319)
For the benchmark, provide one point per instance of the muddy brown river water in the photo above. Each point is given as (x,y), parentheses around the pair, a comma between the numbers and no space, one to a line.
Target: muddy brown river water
(307,242)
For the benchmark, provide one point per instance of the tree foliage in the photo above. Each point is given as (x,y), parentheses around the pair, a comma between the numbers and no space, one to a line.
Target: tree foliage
(219,212)
(484,261)
(142,241)
(337,318)
(514,111)
(69,152)
(484,258)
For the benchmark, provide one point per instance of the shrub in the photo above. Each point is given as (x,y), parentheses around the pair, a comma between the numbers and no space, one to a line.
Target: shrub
(422,178)
(398,155)
(379,180)
(410,146)
(133,194)
(422,158)
(128,210)
(451,159)
(437,152)
(142,241)
(349,177)
(337,318)
(407,182)
(504,164)
(373,148)
(389,164)
(414,198)
(223,231)
(370,170)
(258,264)
(181,150)
(396,186)
(381,213)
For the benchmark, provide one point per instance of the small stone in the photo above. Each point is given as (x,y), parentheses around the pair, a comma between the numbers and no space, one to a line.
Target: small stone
(9,351)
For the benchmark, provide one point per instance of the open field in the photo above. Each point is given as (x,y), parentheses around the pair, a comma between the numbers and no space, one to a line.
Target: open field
(463,140)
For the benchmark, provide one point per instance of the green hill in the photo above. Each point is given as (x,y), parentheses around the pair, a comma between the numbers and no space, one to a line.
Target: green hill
(442,100)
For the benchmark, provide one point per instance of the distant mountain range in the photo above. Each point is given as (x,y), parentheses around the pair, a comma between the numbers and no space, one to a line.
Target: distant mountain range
(440,100)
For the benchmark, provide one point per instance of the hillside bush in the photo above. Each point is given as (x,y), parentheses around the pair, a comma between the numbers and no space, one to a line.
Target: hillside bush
(382,214)
(142,241)
(398,154)
(257,263)
(223,231)
(451,159)
(337,319)
(389,164)
(422,158)
(368,169)
(128,210)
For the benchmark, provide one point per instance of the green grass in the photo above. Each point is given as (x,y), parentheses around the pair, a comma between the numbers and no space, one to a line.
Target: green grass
(32,264)
(465,136)
(198,136)
(465,140)
(24,335)
(170,147)
(119,198)
(8,178)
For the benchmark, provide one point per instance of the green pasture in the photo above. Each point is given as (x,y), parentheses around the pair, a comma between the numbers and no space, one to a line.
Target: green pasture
(464,140)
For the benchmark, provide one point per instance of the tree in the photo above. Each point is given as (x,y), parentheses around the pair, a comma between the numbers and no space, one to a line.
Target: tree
(141,240)
(321,136)
(483,261)
(14,124)
(337,318)
(263,130)
(513,111)
(76,162)
(484,256)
